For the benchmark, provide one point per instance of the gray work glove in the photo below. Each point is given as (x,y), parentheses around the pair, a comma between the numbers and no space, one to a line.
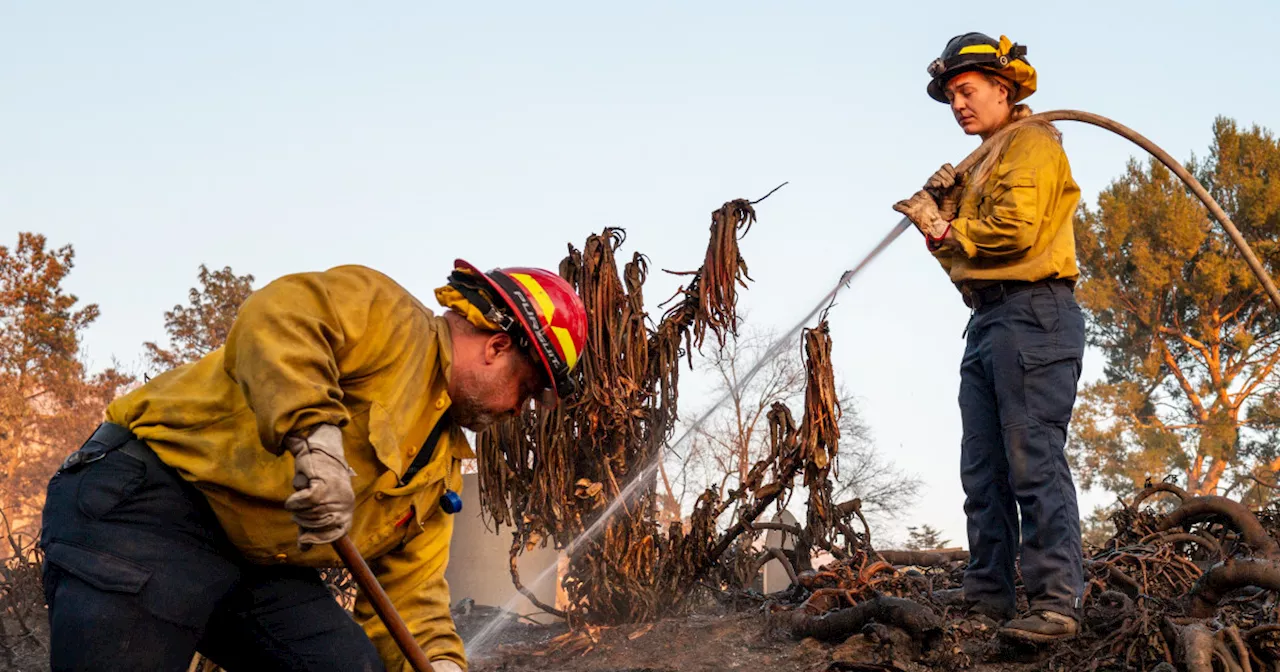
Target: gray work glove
(445,665)
(324,502)
(922,210)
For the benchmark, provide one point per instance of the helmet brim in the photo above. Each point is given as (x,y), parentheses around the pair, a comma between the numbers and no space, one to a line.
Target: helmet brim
(937,88)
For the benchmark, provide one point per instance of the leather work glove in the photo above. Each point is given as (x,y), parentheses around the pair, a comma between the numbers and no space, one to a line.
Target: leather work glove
(445,665)
(922,210)
(324,502)
(945,183)
(949,202)
(942,179)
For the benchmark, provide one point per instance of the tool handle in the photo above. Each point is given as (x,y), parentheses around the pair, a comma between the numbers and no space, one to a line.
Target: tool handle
(382,604)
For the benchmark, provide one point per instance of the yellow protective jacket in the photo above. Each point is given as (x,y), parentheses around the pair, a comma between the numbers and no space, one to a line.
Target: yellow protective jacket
(1018,225)
(347,347)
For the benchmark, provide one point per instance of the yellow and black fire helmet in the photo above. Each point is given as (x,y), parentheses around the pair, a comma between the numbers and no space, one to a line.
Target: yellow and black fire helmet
(975,51)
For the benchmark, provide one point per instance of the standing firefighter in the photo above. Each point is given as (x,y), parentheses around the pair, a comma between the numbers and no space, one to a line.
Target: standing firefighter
(1003,234)
(182,525)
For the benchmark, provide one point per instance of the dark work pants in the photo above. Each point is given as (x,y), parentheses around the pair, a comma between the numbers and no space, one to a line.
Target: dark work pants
(1017,388)
(139,576)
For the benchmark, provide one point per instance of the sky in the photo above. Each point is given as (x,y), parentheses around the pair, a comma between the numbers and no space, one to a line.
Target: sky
(281,137)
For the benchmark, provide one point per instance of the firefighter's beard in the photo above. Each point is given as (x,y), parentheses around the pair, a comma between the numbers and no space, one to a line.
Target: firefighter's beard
(483,398)
(470,416)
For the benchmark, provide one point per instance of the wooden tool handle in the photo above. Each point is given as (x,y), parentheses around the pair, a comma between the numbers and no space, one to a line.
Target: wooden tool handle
(382,604)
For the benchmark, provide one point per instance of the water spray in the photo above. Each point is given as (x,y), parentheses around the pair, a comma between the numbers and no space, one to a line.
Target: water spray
(845,280)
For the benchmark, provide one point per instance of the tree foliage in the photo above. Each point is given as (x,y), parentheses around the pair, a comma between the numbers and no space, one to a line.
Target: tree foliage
(925,538)
(197,329)
(1190,339)
(48,405)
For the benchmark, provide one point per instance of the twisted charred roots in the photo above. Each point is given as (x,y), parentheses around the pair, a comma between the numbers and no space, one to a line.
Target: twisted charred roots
(803,538)
(1197,509)
(1225,577)
(1181,537)
(923,558)
(528,594)
(1117,578)
(739,527)
(917,620)
(1260,630)
(1160,487)
(772,553)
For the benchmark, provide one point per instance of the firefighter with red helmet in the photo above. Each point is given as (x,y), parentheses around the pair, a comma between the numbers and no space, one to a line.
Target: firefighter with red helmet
(196,517)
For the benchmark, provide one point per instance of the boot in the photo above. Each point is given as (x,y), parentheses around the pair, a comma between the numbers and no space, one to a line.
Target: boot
(1041,627)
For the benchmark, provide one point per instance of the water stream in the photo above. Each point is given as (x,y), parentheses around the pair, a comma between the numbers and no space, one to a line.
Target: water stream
(477,645)
(481,641)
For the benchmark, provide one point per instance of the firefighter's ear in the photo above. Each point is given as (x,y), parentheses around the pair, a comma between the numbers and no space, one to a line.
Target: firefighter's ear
(498,346)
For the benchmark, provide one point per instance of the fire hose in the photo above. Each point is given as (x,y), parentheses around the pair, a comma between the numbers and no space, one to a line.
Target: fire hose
(784,342)
(386,610)
(1137,138)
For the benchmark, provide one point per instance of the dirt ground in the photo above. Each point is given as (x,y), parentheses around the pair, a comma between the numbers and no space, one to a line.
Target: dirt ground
(725,638)
(24,645)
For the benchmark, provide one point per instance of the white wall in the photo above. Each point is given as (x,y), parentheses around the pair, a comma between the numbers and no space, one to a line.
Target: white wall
(775,576)
(479,565)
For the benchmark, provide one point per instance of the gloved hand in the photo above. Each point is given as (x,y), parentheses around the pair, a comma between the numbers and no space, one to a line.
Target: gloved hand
(324,502)
(949,202)
(922,210)
(942,179)
(445,665)
(943,182)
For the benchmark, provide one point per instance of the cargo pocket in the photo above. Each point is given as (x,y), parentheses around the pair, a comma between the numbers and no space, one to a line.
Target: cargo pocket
(1049,377)
(108,482)
(188,585)
(183,588)
(1045,308)
(103,571)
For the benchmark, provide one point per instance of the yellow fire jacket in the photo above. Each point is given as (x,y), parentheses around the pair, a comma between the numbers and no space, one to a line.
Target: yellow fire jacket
(347,347)
(1018,225)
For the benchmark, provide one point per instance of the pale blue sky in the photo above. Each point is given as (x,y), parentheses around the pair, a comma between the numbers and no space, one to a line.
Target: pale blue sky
(288,136)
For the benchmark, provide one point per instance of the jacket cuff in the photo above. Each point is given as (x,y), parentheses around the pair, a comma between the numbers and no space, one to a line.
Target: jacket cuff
(960,231)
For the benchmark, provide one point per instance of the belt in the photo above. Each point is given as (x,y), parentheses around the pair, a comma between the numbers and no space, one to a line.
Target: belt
(106,439)
(990,295)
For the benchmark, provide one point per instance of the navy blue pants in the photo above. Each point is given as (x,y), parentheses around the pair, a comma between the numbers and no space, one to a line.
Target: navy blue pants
(139,576)
(1017,388)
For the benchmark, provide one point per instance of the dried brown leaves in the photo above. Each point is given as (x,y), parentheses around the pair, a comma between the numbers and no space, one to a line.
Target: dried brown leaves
(552,472)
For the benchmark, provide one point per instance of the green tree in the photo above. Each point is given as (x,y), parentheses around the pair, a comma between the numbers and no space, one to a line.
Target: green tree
(925,538)
(48,405)
(1096,528)
(1190,339)
(202,327)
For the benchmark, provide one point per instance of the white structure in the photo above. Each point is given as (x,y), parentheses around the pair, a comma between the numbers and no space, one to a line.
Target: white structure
(479,563)
(775,575)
